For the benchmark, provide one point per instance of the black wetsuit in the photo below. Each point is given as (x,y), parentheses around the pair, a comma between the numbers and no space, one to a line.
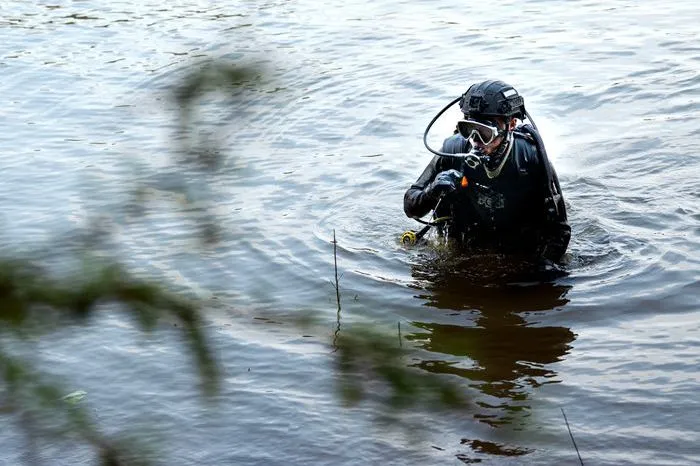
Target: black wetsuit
(521,211)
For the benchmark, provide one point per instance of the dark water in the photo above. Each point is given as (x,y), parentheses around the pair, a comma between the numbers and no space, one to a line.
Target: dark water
(330,141)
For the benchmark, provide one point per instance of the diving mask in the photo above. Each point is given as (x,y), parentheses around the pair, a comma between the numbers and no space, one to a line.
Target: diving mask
(485,133)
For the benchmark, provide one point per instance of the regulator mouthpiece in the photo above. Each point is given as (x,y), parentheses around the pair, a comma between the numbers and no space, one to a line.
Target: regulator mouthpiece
(475,157)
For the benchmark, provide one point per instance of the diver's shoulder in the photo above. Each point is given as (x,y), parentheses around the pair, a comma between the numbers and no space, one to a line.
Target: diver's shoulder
(455,144)
(525,145)
(523,136)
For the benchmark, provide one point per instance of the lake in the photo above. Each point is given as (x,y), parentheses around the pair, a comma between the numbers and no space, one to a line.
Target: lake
(328,141)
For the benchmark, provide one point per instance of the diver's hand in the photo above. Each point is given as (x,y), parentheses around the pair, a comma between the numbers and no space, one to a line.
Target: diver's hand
(444,183)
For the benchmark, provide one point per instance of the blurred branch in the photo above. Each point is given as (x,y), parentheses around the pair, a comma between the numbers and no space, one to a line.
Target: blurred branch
(212,77)
(371,367)
(30,300)
(43,413)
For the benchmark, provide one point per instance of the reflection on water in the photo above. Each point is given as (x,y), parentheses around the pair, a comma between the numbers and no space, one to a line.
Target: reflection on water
(499,350)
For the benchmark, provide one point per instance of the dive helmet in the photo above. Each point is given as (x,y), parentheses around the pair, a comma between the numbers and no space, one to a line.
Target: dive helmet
(492,99)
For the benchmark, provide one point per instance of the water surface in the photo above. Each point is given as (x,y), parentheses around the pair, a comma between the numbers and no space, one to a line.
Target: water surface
(329,141)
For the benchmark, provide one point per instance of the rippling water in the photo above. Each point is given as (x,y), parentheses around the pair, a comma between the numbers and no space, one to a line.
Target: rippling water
(330,141)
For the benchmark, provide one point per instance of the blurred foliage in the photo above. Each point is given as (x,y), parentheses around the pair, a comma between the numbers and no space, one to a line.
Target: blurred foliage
(371,366)
(35,302)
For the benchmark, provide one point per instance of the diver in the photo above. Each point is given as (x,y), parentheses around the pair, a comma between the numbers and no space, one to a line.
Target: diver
(492,187)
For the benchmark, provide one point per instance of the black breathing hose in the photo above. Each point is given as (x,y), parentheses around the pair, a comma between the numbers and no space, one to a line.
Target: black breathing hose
(430,125)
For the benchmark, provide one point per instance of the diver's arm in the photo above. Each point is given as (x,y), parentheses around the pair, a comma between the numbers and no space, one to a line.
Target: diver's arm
(417,202)
(423,195)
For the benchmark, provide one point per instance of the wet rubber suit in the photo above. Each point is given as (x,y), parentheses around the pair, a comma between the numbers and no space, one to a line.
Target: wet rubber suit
(514,212)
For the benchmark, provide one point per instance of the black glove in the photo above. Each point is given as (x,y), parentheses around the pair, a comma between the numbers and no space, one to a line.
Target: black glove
(444,183)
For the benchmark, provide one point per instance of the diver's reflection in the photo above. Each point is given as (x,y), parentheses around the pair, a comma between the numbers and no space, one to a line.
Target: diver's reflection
(507,355)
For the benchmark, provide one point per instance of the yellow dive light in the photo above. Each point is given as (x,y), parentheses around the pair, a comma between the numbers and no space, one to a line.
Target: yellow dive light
(409,238)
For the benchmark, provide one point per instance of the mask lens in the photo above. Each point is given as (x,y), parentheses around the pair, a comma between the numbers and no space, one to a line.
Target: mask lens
(469,128)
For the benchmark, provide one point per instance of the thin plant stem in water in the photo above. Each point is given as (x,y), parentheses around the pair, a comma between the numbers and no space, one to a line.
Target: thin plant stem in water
(337,290)
(335,263)
(571,435)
